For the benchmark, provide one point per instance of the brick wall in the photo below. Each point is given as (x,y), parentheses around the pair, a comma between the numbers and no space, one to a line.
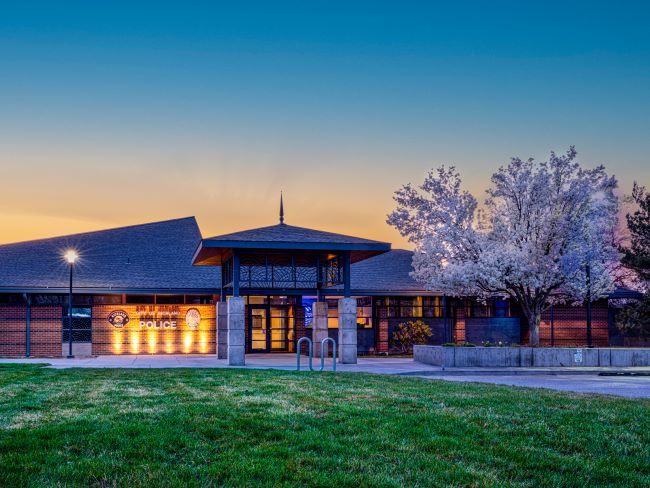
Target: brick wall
(459,325)
(46,331)
(154,329)
(570,326)
(382,330)
(301,330)
(12,330)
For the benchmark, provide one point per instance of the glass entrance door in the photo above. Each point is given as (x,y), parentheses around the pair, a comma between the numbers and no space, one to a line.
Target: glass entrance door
(270,328)
(258,323)
(281,329)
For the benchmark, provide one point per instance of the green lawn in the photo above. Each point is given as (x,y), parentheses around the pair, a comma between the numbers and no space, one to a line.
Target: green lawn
(234,428)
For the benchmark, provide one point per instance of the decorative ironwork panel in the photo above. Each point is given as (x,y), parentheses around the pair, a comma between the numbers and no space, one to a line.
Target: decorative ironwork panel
(254,271)
(306,271)
(332,272)
(275,270)
(281,271)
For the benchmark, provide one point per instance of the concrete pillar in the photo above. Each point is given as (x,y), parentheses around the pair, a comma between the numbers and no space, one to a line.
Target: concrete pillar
(347,342)
(236,333)
(222,330)
(318,325)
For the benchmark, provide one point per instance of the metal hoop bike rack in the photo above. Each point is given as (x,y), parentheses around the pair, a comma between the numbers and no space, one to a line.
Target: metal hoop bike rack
(311,353)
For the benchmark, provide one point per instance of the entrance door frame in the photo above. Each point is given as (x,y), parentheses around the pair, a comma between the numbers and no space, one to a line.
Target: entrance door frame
(267,308)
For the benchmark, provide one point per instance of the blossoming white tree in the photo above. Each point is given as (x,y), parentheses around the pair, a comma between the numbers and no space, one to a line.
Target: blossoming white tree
(544,235)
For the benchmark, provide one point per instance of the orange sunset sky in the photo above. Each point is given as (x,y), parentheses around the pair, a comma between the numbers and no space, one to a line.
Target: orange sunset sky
(121,114)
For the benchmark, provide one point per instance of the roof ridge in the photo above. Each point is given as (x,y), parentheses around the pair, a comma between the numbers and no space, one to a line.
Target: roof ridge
(284,226)
(80,234)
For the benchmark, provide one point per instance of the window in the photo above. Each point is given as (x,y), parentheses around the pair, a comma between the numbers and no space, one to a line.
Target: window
(250,300)
(411,307)
(107,299)
(6,298)
(432,307)
(199,299)
(491,308)
(81,324)
(501,308)
(140,299)
(169,299)
(332,313)
(364,312)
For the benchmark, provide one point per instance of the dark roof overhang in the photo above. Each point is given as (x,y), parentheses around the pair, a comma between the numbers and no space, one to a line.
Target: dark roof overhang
(625,293)
(285,239)
(212,253)
(78,290)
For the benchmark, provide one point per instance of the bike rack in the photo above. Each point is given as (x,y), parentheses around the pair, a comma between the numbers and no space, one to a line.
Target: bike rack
(322,353)
(311,353)
(300,341)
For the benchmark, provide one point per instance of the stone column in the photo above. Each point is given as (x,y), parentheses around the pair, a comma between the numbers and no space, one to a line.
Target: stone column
(318,325)
(347,343)
(236,333)
(222,330)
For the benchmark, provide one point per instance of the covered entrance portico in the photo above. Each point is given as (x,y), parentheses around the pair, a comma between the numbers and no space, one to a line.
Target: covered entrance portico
(291,262)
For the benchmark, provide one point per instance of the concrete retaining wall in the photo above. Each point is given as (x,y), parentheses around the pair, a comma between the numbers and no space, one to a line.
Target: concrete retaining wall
(501,357)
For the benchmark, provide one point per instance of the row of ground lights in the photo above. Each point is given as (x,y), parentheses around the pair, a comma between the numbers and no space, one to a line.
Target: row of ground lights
(147,341)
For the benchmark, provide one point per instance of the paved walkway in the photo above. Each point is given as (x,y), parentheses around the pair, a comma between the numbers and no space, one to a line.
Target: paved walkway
(258,361)
(582,380)
(626,386)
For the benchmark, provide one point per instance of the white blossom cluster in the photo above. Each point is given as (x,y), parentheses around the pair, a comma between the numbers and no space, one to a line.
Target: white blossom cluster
(545,234)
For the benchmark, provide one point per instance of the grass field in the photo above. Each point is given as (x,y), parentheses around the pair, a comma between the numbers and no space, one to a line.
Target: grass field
(225,427)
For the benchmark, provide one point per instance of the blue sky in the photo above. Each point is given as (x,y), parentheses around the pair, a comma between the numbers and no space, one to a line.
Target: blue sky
(153,110)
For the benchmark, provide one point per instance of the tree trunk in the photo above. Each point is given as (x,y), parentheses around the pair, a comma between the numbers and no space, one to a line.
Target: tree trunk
(533,326)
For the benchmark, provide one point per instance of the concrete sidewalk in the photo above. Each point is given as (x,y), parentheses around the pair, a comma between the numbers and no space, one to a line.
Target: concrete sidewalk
(582,380)
(380,365)
(625,386)
(254,361)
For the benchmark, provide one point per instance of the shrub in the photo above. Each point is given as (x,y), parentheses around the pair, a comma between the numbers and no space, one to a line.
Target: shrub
(634,319)
(407,334)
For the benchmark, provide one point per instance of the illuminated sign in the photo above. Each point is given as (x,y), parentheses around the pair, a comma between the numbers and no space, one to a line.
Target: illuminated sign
(193,318)
(158,316)
(118,318)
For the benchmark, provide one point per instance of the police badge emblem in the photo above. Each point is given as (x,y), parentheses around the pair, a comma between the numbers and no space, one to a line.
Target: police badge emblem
(193,318)
(118,318)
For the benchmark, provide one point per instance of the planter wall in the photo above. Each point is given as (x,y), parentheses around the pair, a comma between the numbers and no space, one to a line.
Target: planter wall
(501,357)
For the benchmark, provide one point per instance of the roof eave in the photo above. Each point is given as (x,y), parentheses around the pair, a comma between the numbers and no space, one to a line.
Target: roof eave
(209,251)
(297,246)
(112,291)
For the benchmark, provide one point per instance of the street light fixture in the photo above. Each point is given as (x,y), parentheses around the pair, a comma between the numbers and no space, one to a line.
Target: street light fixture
(70,257)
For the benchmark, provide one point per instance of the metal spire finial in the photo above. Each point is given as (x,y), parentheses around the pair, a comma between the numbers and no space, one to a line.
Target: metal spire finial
(281,209)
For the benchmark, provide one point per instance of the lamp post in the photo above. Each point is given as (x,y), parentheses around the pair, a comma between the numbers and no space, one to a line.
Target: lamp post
(71,257)
(588,276)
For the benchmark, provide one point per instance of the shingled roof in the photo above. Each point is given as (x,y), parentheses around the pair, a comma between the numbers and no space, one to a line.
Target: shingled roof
(387,273)
(286,237)
(153,257)
(285,233)
(157,258)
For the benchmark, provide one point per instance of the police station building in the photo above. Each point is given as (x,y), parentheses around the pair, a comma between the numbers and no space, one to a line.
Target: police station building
(162,288)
